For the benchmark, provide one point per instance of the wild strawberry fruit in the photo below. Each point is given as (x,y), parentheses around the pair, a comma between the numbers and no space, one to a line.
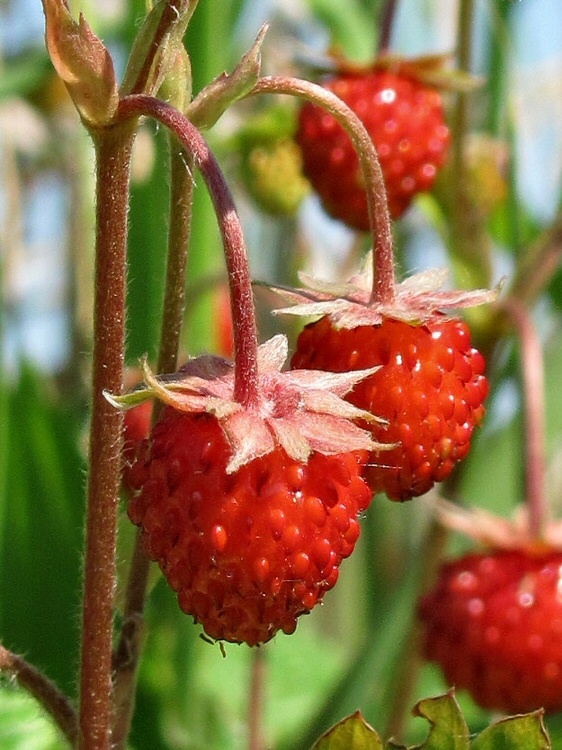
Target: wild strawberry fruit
(430,390)
(251,551)
(493,622)
(405,120)
(249,511)
(428,386)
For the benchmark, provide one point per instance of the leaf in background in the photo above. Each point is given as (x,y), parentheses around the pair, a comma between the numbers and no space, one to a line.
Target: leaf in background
(525,732)
(352,733)
(24,75)
(352,30)
(22,725)
(147,248)
(41,532)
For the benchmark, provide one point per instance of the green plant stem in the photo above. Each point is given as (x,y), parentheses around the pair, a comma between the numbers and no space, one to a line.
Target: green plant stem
(532,376)
(379,217)
(255,708)
(113,153)
(537,264)
(406,675)
(460,114)
(128,651)
(241,297)
(45,692)
(469,241)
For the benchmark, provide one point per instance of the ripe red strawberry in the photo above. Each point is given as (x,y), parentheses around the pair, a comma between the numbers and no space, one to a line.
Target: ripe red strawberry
(404,118)
(493,622)
(430,389)
(247,552)
(249,510)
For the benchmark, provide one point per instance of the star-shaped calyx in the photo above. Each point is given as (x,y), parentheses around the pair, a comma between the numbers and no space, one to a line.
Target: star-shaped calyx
(302,411)
(353,303)
(490,530)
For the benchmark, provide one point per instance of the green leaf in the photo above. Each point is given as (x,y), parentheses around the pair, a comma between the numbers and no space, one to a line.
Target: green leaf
(448,727)
(525,732)
(352,733)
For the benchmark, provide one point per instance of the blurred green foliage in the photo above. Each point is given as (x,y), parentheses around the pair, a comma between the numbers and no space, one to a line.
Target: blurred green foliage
(346,655)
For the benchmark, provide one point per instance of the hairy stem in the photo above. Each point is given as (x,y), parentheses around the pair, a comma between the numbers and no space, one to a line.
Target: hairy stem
(45,692)
(127,654)
(379,217)
(113,153)
(242,305)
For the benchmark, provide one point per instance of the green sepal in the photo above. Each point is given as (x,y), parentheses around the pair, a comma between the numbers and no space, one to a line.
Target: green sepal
(209,105)
(157,46)
(525,732)
(351,733)
(448,729)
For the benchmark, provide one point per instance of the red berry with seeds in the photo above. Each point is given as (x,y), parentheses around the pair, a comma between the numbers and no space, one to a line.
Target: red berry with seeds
(404,118)
(493,622)
(250,509)
(430,389)
(250,551)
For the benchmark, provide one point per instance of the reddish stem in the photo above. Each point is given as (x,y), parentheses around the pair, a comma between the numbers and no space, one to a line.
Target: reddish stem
(387,21)
(127,654)
(55,703)
(242,305)
(379,217)
(113,153)
(533,396)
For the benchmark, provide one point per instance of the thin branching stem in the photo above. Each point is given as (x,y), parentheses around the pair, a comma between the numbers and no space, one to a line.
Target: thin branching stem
(45,692)
(532,378)
(242,305)
(377,202)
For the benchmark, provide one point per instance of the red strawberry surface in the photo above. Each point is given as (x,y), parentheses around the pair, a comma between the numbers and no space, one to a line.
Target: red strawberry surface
(493,622)
(404,118)
(250,551)
(430,389)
